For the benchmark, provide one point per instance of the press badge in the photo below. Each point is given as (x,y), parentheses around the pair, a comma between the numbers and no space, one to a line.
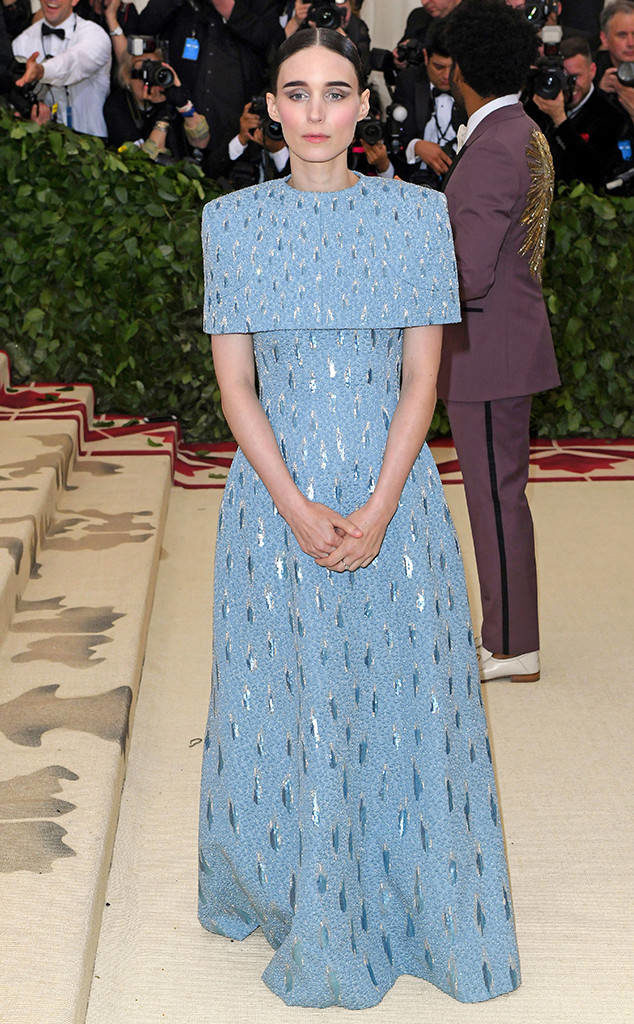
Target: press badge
(191,48)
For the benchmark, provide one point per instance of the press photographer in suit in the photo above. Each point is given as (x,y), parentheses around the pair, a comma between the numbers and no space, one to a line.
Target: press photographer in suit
(581,125)
(499,191)
(429,132)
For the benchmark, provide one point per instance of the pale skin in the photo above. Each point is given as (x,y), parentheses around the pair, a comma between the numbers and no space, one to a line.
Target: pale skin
(318,102)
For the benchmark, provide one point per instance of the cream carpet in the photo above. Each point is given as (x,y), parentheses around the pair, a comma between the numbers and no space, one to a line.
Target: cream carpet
(563,757)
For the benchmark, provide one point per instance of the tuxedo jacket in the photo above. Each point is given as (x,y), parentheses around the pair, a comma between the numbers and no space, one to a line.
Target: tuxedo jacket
(413,91)
(499,192)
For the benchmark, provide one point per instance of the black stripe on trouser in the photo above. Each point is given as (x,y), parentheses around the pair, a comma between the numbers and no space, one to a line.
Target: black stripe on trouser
(499,528)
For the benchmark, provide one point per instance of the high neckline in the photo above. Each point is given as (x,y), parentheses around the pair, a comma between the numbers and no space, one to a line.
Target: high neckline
(323,192)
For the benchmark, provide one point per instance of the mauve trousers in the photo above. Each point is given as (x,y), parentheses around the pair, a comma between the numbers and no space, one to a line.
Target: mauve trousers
(492,442)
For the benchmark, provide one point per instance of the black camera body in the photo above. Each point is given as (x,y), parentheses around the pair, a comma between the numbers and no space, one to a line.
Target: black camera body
(153,72)
(21,98)
(326,14)
(549,77)
(539,13)
(370,131)
(411,53)
(273,129)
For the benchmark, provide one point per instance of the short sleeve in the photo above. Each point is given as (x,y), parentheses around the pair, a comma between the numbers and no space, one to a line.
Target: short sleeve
(380,255)
(221,309)
(425,259)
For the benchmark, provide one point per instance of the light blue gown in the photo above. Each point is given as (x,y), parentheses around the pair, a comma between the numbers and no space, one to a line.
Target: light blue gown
(348,802)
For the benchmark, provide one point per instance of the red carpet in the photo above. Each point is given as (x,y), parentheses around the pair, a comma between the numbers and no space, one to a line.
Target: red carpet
(201,465)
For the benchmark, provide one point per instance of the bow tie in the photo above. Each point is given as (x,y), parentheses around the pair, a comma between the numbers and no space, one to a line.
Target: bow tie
(435,93)
(48,31)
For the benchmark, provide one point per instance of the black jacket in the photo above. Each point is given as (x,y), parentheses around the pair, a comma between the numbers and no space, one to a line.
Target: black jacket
(581,17)
(417,25)
(584,147)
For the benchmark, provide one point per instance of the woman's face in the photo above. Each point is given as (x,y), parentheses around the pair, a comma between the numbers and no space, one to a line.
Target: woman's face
(318,103)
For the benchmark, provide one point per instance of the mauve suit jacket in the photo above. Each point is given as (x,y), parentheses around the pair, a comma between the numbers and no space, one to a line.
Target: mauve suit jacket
(498,195)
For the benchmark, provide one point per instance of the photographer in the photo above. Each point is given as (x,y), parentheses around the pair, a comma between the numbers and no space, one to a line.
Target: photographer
(433,116)
(256,155)
(338,14)
(419,22)
(581,126)
(70,58)
(218,49)
(369,151)
(160,119)
(615,61)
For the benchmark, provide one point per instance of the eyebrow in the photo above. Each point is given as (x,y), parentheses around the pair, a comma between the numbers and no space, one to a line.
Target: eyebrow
(288,85)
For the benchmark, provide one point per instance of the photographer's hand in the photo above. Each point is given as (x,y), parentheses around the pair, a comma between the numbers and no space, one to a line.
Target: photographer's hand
(298,16)
(40,113)
(33,73)
(377,155)
(555,109)
(433,155)
(400,64)
(249,125)
(609,81)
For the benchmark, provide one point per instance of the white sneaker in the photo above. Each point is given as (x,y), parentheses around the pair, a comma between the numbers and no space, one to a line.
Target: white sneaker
(522,668)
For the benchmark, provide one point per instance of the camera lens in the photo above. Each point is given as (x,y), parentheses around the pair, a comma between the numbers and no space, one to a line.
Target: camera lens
(163,77)
(625,74)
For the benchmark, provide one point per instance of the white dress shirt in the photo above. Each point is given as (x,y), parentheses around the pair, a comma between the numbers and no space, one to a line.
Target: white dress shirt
(488,108)
(438,129)
(76,73)
(279,158)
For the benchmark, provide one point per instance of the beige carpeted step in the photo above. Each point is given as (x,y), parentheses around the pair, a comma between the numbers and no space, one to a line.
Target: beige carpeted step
(562,751)
(36,457)
(69,672)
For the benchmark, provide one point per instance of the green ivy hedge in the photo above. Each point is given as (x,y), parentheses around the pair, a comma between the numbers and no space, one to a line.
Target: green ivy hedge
(102,281)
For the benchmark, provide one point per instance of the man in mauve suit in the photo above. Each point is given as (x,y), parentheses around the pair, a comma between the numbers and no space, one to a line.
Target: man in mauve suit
(499,191)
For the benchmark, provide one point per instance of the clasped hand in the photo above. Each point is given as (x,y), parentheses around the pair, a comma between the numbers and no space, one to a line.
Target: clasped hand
(336,542)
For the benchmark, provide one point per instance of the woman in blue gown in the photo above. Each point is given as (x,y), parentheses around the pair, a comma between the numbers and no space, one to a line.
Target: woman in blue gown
(348,804)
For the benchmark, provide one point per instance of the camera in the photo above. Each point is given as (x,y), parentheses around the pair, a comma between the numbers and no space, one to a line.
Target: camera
(411,52)
(327,14)
(625,73)
(21,98)
(154,73)
(370,131)
(271,128)
(539,13)
(549,77)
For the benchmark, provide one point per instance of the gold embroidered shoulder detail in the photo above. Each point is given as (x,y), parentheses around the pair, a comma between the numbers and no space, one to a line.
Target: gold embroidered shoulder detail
(538,200)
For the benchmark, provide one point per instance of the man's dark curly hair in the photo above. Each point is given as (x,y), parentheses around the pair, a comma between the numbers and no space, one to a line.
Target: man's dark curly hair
(493,44)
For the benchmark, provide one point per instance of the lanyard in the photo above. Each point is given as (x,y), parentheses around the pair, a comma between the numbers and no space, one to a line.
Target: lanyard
(442,132)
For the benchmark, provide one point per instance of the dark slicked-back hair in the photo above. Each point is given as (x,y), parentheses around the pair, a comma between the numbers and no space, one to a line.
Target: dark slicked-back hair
(326,37)
(436,38)
(576,46)
(493,44)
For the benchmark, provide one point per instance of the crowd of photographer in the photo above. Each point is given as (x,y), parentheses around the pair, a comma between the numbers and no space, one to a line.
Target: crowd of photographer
(187,78)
